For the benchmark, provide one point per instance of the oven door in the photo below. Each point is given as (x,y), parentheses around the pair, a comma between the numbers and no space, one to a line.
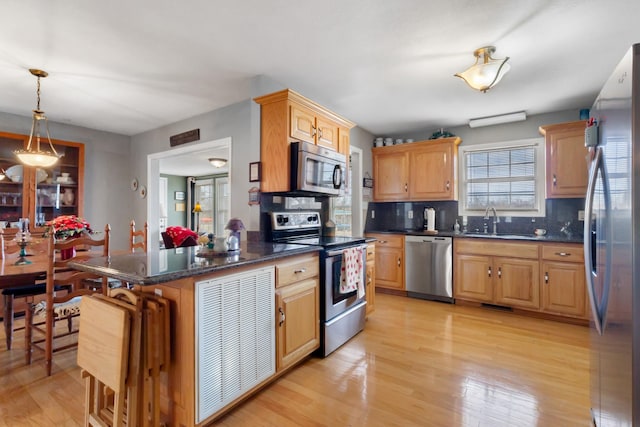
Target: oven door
(316,169)
(335,302)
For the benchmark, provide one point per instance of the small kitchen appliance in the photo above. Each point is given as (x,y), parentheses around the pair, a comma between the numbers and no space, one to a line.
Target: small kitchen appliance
(316,170)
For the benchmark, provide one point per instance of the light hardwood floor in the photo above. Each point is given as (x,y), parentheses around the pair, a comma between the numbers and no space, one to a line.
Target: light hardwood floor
(418,363)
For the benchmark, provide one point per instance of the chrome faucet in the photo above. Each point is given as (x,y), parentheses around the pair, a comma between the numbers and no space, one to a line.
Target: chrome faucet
(496,220)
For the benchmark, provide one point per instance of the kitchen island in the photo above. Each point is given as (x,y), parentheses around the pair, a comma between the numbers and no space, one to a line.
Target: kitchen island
(237,321)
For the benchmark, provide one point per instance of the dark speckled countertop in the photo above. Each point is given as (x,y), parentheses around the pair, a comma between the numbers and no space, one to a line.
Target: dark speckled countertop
(527,237)
(166,265)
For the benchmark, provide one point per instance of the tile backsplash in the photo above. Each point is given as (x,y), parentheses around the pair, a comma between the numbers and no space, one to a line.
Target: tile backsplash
(400,216)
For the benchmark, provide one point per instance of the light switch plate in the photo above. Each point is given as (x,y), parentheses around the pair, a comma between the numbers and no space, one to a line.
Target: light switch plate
(581,215)
(410,213)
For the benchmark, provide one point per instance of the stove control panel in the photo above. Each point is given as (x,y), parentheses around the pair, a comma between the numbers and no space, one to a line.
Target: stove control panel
(295,220)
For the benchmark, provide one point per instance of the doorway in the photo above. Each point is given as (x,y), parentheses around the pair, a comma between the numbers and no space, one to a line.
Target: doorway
(184,161)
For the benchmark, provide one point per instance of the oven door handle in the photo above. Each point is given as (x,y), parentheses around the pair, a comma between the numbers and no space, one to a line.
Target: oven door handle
(339,251)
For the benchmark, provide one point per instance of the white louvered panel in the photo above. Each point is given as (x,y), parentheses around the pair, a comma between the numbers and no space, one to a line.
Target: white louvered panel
(235,337)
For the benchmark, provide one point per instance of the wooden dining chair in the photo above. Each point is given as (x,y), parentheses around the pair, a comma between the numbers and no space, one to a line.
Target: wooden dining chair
(138,239)
(54,307)
(25,288)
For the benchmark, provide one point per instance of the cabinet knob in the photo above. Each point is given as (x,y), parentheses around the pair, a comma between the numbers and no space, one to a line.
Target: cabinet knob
(448,185)
(406,188)
(563,253)
(320,133)
(301,270)
(499,272)
(313,131)
(546,277)
(282,316)
(555,180)
(382,242)
(399,262)
(489,271)
(369,253)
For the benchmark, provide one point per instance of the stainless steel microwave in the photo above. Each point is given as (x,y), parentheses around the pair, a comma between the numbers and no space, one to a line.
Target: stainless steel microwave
(316,169)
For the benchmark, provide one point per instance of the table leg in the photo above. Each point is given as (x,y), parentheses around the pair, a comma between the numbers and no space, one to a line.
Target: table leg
(7,319)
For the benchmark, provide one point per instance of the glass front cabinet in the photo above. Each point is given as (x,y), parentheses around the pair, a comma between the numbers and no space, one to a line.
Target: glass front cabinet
(39,194)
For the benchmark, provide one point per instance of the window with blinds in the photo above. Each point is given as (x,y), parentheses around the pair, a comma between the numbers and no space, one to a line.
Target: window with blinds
(507,176)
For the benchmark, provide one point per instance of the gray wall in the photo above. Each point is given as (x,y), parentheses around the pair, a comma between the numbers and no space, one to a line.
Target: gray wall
(106,174)
(240,122)
(504,132)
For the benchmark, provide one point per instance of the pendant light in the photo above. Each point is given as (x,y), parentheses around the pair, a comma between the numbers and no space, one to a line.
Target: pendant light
(486,72)
(33,155)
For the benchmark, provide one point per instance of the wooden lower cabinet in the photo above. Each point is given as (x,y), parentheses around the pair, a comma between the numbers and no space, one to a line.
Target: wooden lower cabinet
(497,280)
(297,310)
(517,282)
(370,278)
(542,277)
(472,278)
(297,326)
(389,261)
(563,280)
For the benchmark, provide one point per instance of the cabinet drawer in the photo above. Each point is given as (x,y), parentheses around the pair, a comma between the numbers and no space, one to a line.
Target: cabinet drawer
(371,253)
(296,269)
(496,248)
(388,240)
(566,253)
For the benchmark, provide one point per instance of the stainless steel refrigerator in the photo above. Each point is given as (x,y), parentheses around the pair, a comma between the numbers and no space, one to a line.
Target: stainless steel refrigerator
(612,246)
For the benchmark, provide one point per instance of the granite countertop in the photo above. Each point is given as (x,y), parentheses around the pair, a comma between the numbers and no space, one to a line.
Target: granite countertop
(166,265)
(510,236)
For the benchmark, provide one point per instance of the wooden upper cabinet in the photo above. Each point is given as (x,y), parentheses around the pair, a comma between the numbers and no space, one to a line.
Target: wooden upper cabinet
(40,194)
(303,124)
(287,116)
(433,170)
(566,159)
(391,175)
(327,134)
(425,170)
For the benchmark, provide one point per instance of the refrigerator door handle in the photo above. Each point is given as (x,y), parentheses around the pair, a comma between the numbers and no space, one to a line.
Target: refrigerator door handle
(598,307)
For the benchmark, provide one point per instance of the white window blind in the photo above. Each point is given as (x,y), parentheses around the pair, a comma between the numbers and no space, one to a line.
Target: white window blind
(507,176)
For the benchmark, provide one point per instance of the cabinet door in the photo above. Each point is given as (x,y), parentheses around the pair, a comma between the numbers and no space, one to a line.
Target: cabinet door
(563,289)
(390,176)
(517,282)
(432,173)
(567,166)
(370,287)
(303,124)
(13,205)
(389,268)
(327,133)
(297,322)
(473,277)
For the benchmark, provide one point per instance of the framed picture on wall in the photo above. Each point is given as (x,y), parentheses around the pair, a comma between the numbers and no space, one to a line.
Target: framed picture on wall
(254,172)
(178,195)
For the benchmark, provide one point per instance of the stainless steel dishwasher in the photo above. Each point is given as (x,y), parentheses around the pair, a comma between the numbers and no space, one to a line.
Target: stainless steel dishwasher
(428,267)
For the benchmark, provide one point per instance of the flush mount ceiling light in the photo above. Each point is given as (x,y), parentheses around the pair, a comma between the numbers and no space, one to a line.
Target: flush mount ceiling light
(33,155)
(496,120)
(486,72)
(218,162)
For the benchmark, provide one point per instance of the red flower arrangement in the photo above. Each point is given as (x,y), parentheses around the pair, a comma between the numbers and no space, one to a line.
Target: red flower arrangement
(67,226)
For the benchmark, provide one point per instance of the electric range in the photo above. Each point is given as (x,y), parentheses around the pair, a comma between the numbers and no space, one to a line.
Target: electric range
(342,315)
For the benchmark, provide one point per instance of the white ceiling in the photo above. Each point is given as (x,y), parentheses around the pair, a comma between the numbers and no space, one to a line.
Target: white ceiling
(130,66)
